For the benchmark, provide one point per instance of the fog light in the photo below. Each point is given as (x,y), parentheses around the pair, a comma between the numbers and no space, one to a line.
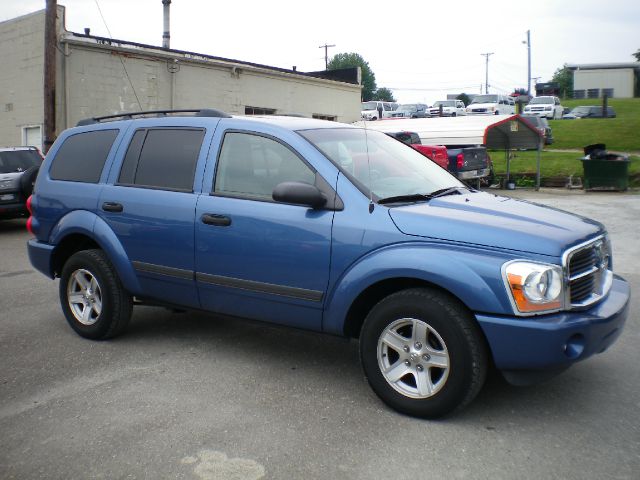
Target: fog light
(574,346)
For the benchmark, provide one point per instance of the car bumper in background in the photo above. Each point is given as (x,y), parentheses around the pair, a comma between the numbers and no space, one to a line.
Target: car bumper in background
(483,172)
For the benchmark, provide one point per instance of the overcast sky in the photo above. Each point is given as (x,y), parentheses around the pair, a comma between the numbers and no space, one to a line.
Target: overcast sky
(420,49)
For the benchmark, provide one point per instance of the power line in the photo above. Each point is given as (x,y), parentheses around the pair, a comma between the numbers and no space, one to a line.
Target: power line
(120,57)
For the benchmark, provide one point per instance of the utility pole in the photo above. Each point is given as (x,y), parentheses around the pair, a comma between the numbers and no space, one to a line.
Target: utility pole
(486,76)
(49,75)
(535,81)
(326,54)
(528,42)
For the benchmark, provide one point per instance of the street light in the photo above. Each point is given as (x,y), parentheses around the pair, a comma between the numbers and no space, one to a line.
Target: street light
(528,42)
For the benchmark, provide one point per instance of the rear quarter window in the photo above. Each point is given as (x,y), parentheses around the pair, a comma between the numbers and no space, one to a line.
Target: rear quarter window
(82,156)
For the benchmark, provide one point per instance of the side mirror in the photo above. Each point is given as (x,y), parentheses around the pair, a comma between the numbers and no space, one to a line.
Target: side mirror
(299,193)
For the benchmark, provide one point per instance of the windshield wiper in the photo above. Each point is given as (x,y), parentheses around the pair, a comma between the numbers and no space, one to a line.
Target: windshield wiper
(412,197)
(443,192)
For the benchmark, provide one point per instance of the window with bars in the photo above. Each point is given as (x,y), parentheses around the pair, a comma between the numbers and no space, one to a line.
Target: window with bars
(322,116)
(259,111)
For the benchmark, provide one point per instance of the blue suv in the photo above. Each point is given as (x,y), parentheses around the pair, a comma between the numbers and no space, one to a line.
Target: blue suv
(327,227)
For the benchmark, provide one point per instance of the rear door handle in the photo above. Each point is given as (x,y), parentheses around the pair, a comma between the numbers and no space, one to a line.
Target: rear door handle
(217,220)
(112,207)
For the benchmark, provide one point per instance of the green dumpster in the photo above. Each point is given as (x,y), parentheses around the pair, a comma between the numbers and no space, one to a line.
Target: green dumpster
(603,170)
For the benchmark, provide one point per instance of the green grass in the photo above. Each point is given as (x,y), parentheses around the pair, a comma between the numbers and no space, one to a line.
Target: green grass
(552,165)
(619,134)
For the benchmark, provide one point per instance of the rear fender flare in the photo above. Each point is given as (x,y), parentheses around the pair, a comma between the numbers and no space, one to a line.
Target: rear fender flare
(90,225)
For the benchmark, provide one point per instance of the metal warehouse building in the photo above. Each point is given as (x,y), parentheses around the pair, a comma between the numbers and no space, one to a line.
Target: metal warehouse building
(618,80)
(100,76)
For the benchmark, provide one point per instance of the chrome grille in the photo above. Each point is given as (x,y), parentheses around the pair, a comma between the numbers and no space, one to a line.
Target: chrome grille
(588,271)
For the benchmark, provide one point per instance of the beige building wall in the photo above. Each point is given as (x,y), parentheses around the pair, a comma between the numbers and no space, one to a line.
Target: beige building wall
(21,77)
(621,80)
(96,78)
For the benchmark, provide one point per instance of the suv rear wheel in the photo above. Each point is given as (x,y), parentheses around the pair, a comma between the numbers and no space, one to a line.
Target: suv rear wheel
(93,299)
(423,353)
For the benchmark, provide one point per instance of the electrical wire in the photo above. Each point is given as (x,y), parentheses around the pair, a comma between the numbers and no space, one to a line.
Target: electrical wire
(120,57)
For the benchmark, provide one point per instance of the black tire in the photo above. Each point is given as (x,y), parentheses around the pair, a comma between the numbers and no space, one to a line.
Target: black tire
(451,332)
(100,311)
(27,180)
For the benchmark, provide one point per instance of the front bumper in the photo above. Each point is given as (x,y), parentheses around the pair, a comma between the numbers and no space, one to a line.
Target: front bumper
(555,341)
(543,113)
(14,209)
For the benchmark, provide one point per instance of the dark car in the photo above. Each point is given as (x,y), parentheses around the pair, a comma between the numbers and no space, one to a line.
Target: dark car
(411,110)
(542,125)
(18,170)
(589,111)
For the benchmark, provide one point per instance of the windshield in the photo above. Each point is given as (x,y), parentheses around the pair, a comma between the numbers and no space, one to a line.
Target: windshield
(18,160)
(445,103)
(369,105)
(538,100)
(485,99)
(378,163)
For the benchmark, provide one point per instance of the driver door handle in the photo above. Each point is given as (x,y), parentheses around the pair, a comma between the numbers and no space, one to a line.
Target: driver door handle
(216,220)
(112,207)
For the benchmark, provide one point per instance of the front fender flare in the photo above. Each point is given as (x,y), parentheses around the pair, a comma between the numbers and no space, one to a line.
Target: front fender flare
(471,275)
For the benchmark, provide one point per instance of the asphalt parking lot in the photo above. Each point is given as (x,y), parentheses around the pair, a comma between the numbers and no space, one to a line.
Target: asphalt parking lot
(188,395)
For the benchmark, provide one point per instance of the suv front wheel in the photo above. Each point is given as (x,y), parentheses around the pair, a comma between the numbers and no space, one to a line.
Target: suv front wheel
(423,353)
(93,299)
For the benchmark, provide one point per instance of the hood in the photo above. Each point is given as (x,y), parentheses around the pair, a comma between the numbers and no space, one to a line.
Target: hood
(494,221)
(15,180)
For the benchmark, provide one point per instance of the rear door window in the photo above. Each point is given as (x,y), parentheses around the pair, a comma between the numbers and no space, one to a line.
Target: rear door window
(163,158)
(82,156)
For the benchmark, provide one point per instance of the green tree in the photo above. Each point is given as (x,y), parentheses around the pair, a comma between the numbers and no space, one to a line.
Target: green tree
(465,99)
(564,78)
(383,94)
(637,55)
(349,60)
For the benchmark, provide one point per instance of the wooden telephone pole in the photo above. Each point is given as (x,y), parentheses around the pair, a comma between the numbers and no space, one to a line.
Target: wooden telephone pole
(49,75)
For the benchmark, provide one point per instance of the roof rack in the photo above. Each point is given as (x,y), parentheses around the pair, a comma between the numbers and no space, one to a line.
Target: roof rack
(205,112)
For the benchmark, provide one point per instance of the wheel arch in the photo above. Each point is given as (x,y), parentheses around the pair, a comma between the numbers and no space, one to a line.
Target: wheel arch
(368,298)
(83,230)
(469,277)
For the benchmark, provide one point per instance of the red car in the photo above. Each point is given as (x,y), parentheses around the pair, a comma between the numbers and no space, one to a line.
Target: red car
(436,153)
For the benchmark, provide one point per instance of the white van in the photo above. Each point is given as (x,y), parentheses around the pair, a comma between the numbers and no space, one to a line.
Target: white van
(372,110)
(492,104)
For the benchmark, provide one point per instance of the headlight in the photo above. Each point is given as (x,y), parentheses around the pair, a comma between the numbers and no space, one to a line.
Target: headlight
(548,108)
(534,287)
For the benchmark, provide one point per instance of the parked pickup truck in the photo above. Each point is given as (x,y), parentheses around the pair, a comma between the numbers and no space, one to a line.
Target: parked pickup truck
(436,153)
(469,162)
(327,227)
(466,162)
